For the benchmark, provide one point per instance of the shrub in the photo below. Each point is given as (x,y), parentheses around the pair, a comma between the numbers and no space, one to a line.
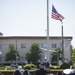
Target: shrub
(27,67)
(52,67)
(57,67)
(64,65)
(13,68)
(31,65)
(54,63)
(73,66)
(2,68)
(70,62)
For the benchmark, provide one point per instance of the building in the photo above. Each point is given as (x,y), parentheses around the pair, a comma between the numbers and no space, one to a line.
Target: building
(23,44)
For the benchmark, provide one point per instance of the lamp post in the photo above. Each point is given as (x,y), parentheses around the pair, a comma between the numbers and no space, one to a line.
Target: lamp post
(16,51)
(62,45)
(51,51)
(0,53)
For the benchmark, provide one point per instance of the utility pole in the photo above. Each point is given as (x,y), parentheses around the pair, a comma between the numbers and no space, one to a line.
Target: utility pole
(16,51)
(47,30)
(62,45)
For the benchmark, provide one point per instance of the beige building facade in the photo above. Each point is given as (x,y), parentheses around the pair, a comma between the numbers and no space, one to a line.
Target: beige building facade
(23,44)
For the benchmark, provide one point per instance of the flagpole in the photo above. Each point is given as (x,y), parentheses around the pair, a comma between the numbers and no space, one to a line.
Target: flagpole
(62,44)
(16,51)
(57,16)
(47,30)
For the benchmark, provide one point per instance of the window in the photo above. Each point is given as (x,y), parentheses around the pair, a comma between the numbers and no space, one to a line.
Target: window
(0,46)
(54,45)
(45,46)
(42,45)
(0,59)
(3,46)
(23,46)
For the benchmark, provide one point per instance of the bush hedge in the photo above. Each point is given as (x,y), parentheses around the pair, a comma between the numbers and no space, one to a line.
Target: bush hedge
(64,65)
(54,67)
(29,66)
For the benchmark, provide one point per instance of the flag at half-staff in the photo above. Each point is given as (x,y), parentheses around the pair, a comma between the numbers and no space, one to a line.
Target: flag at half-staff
(55,15)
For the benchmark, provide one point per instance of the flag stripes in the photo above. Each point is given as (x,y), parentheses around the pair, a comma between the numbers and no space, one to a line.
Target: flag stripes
(55,15)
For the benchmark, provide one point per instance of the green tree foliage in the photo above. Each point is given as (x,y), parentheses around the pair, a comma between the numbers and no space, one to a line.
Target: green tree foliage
(11,53)
(34,54)
(56,55)
(73,55)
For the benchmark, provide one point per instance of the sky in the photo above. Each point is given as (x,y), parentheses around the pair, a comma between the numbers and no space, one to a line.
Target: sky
(29,18)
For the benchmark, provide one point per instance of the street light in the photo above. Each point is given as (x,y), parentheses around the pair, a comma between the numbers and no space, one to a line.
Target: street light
(0,52)
(51,51)
(16,51)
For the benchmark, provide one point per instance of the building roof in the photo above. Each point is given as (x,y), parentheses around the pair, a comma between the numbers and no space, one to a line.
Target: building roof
(37,37)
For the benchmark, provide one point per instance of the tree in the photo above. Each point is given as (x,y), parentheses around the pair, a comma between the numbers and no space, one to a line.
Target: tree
(11,53)
(34,54)
(73,55)
(56,56)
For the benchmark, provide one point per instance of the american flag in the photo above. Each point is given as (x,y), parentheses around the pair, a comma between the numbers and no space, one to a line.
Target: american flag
(55,15)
